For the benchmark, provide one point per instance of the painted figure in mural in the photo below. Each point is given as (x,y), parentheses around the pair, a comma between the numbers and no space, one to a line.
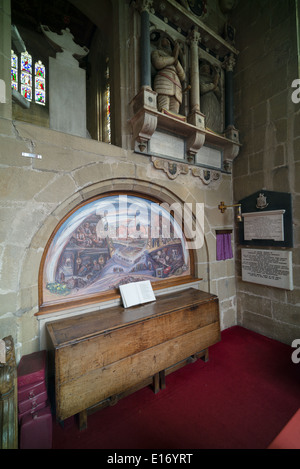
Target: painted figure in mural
(167,82)
(210,91)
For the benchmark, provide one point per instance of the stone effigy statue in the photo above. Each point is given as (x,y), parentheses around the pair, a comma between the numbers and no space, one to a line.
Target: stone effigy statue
(170,74)
(210,92)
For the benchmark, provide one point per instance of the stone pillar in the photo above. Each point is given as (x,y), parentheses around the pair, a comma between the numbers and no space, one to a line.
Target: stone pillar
(195,117)
(229,101)
(230,151)
(145,44)
(144,104)
(195,86)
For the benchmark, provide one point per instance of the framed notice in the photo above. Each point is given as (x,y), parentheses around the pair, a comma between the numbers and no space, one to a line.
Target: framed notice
(267,220)
(264,225)
(268,267)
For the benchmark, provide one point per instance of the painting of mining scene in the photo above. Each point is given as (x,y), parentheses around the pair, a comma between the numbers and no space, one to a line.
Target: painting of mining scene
(112,241)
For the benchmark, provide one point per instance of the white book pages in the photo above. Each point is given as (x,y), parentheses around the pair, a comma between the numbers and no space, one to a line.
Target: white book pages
(136,293)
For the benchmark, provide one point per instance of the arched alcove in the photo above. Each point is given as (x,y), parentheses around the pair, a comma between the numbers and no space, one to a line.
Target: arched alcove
(115,237)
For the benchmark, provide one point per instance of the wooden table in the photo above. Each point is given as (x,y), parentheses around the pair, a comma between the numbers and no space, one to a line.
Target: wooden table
(106,354)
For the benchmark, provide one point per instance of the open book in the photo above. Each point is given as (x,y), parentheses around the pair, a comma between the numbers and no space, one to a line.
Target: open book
(136,293)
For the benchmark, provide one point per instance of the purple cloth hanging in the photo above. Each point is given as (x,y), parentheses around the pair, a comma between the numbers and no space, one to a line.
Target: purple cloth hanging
(224,249)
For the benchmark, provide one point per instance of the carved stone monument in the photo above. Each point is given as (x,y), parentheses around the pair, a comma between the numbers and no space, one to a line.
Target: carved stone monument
(67,84)
(170,74)
(187,86)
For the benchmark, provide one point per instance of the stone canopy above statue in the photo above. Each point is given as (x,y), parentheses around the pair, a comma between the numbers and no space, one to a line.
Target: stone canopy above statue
(186,76)
(211,17)
(215,14)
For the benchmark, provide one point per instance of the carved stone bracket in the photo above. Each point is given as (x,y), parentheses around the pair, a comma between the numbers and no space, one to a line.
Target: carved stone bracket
(144,120)
(229,143)
(194,142)
(231,151)
(171,168)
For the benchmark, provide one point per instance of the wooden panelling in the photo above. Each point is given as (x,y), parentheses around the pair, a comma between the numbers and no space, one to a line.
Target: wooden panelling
(105,348)
(103,382)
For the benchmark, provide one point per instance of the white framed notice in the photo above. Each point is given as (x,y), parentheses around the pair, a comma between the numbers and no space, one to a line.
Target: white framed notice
(264,225)
(268,267)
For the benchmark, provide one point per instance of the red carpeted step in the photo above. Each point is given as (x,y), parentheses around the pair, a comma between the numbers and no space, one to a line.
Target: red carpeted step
(289,437)
(240,399)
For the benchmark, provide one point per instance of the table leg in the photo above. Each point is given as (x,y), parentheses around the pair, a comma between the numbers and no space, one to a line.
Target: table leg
(82,420)
(162,379)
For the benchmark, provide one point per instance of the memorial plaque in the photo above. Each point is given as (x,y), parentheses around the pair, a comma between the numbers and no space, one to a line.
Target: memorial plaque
(209,156)
(265,225)
(268,267)
(165,144)
(272,224)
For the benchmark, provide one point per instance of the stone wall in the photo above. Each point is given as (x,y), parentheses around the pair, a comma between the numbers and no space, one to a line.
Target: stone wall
(269,124)
(36,194)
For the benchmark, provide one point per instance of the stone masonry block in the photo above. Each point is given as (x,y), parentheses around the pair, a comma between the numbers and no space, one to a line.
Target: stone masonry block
(19,184)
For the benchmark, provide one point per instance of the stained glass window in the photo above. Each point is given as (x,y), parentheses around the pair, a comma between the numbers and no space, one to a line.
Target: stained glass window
(14,70)
(26,75)
(40,88)
(30,86)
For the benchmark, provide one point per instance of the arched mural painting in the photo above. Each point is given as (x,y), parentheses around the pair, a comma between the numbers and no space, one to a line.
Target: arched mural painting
(111,240)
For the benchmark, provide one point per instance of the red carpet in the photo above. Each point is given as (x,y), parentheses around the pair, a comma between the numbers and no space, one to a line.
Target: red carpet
(240,399)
